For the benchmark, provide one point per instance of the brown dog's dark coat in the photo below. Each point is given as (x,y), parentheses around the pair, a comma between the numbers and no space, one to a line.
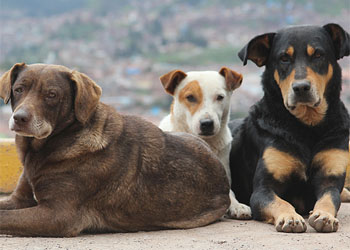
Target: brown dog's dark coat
(88,168)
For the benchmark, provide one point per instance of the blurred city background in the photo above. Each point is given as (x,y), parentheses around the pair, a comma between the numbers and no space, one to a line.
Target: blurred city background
(125,46)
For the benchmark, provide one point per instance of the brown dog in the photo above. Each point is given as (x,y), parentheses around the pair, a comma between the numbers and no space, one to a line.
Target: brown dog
(88,168)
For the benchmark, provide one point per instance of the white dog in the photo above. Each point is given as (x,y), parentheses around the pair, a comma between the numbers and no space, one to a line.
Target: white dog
(201,106)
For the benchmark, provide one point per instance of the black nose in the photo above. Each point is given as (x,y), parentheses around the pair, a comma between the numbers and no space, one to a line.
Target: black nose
(301,88)
(206,126)
(21,117)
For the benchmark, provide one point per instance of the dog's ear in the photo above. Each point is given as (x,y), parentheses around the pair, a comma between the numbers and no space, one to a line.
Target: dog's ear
(87,96)
(258,49)
(232,78)
(171,80)
(340,38)
(7,80)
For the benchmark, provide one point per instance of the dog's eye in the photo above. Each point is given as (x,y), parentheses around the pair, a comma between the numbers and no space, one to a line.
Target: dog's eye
(191,98)
(318,54)
(219,97)
(19,90)
(285,58)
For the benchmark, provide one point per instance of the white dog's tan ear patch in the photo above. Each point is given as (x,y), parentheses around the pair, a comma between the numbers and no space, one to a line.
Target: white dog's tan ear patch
(171,80)
(232,78)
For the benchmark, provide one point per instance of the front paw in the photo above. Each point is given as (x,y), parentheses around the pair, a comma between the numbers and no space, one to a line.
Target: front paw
(290,223)
(239,211)
(323,222)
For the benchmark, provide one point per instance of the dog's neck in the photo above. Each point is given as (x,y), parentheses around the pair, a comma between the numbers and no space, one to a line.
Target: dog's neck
(220,141)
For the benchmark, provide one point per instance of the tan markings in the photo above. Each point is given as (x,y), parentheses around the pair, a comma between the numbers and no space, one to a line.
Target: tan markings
(310,50)
(345,195)
(325,204)
(171,80)
(310,115)
(332,161)
(191,88)
(320,81)
(281,165)
(277,208)
(290,51)
(285,85)
(232,78)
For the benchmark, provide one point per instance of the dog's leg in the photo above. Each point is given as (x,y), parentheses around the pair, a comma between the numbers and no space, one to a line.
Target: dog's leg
(238,210)
(267,206)
(322,218)
(272,171)
(345,195)
(21,197)
(40,221)
(328,180)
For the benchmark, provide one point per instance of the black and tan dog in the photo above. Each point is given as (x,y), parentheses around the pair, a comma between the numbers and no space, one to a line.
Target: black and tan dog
(289,155)
(88,168)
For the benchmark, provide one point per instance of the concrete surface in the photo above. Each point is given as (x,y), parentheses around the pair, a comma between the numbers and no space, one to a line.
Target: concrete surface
(226,234)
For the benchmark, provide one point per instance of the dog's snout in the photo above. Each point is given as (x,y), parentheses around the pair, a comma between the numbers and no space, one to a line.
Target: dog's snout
(207,126)
(301,88)
(21,117)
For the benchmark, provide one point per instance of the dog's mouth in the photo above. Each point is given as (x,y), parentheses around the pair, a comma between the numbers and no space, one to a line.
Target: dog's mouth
(309,104)
(37,136)
(38,130)
(206,134)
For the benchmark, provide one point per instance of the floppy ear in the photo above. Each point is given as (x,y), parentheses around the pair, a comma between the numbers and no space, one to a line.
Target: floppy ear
(232,78)
(87,96)
(171,80)
(340,38)
(7,80)
(258,49)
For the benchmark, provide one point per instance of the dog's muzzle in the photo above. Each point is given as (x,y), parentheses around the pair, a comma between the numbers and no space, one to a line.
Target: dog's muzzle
(24,123)
(302,93)
(21,119)
(206,127)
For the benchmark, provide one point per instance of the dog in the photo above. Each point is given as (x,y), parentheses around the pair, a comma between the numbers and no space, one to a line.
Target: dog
(289,155)
(201,106)
(90,169)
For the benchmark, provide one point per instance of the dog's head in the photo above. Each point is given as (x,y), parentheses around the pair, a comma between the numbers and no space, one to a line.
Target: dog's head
(46,98)
(302,60)
(201,98)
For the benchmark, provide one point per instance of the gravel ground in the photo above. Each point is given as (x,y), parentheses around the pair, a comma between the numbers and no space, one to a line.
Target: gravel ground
(225,234)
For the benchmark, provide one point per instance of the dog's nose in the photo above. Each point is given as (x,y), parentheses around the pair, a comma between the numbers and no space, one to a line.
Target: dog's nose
(21,117)
(207,126)
(301,88)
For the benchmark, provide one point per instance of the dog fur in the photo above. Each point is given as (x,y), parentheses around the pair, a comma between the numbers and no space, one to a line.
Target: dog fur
(289,156)
(89,169)
(201,106)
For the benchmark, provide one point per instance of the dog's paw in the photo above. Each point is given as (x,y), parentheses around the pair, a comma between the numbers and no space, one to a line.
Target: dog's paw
(323,222)
(290,223)
(239,211)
